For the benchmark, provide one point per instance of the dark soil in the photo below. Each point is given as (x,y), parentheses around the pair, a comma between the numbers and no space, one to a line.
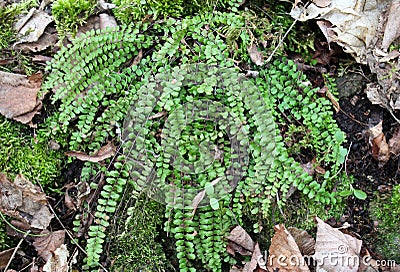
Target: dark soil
(354,120)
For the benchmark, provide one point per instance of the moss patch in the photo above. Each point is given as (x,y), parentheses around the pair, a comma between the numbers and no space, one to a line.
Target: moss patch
(19,153)
(136,247)
(386,212)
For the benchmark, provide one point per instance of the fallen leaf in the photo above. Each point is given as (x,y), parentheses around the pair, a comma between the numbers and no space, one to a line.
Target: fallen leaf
(47,39)
(368,264)
(334,250)
(378,144)
(5,256)
(103,153)
(326,28)
(257,260)
(48,242)
(32,26)
(18,96)
(59,261)
(24,201)
(392,29)
(256,56)
(107,21)
(284,254)
(136,60)
(304,241)
(394,143)
(239,236)
(322,3)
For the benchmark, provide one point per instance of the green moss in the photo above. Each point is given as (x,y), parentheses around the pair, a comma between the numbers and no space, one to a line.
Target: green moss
(387,213)
(70,14)
(20,154)
(8,16)
(136,248)
(128,11)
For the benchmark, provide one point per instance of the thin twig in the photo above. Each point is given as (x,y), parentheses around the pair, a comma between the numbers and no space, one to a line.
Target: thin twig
(16,249)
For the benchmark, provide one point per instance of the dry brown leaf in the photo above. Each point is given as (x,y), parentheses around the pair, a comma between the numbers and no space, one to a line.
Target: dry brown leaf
(392,29)
(5,256)
(331,244)
(239,237)
(18,96)
(304,241)
(394,143)
(322,3)
(138,58)
(256,56)
(59,261)
(47,244)
(284,254)
(32,26)
(326,28)
(47,39)
(24,201)
(378,144)
(368,264)
(257,260)
(104,152)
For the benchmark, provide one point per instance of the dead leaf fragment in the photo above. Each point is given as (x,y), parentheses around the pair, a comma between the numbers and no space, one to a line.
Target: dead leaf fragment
(103,153)
(322,3)
(257,260)
(47,244)
(32,26)
(47,39)
(394,143)
(24,201)
(284,254)
(59,261)
(378,144)
(256,56)
(392,29)
(18,96)
(5,256)
(331,244)
(239,236)
(304,241)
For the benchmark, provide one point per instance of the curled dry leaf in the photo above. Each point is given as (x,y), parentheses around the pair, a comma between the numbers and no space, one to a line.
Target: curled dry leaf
(59,261)
(257,260)
(256,56)
(103,153)
(18,96)
(5,257)
(304,241)
(394,143)
(47,39)
(378,144)
(24,201)
(392,29)
(240,241)
(283,251)
(338,246)
(46,244)
(32,26)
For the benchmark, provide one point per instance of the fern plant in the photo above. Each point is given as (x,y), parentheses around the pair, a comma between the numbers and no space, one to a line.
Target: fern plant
(194,133)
